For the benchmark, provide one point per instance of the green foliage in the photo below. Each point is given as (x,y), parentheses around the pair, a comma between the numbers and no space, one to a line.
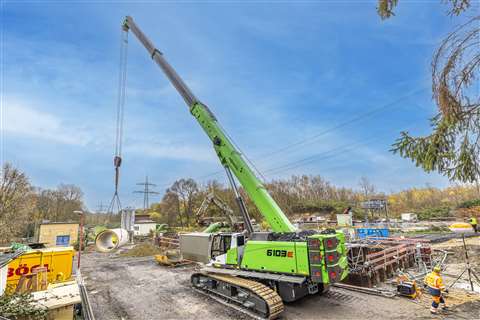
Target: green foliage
(385,8)
(23,206)
(469,204)
(436,212)
(16,205)
(112,224)
(97,230)
(439,229)
(312,194)
(321,206)
(445,151)
(453,147)
(155,216)
(20,306)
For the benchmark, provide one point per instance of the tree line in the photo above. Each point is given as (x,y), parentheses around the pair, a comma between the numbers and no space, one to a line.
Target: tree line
(23,206)
(310,195)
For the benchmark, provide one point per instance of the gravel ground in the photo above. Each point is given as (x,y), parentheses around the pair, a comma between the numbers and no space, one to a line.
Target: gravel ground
(138,288)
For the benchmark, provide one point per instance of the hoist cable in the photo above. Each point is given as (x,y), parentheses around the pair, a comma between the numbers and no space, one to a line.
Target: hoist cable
(122,79)
(115,204)
(123,89)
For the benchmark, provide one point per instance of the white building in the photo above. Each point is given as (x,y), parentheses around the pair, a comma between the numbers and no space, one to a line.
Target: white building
(143,225)
(410,217)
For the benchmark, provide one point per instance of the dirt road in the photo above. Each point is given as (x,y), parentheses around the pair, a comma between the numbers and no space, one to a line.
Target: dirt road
(138,288)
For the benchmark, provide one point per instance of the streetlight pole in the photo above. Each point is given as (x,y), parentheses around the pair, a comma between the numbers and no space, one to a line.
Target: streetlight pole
(80,239)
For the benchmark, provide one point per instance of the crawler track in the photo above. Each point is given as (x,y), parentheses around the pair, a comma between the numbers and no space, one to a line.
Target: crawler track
(247,296)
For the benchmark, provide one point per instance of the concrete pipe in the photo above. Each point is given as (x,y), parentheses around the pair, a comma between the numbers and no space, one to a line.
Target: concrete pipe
(111,239)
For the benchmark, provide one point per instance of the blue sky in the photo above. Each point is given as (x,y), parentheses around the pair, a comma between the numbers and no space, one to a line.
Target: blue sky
(328,83)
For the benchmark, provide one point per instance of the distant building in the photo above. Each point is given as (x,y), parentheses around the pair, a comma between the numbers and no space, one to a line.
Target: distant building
(143,225)
(344,220)
(410,217)
(58,233)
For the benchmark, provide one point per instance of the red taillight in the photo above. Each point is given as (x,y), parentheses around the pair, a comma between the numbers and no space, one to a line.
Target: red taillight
(333,274)
(318,274)
(331,258)
(329,243)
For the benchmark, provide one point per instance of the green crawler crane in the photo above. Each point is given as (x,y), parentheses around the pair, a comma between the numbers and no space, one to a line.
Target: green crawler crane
(254,272)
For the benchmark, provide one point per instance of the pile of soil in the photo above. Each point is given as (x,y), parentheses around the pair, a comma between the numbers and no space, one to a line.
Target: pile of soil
(142,250)
(455,246)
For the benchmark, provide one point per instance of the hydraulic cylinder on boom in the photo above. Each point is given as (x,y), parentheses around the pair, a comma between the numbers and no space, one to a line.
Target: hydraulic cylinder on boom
(255,271)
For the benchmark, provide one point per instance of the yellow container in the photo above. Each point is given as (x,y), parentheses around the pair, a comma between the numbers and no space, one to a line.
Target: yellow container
(57,260)
(460,227)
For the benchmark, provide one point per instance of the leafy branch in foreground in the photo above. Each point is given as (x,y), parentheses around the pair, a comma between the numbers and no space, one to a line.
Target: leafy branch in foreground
(20,306)
(453,147)
(385,7)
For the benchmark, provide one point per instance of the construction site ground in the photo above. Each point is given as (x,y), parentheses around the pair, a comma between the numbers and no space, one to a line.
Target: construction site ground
(138,288)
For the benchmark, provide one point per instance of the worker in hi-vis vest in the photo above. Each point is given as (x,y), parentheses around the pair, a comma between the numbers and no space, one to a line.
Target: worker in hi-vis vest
(473,222)
(436,288)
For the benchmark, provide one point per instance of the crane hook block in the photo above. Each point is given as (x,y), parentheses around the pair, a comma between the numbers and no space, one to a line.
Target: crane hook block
(117,161)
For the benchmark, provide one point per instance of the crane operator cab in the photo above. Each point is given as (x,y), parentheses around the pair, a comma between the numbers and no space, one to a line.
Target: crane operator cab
(227,248)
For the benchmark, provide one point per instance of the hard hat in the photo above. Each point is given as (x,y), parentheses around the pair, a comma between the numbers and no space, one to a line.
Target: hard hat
(437,269)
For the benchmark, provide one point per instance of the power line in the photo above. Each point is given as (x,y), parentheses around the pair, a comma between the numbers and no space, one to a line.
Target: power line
(365,115)
(242,154)
(101,208)
(320,156)
(311,139)
(327,154)
(146,192)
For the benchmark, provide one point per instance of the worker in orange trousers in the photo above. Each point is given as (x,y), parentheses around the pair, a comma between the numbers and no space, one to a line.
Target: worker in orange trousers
(436,288)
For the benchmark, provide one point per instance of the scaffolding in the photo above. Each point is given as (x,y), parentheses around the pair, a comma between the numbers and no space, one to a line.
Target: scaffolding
(374,260)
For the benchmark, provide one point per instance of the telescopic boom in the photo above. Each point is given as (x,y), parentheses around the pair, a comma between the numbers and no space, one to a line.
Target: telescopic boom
(229,156)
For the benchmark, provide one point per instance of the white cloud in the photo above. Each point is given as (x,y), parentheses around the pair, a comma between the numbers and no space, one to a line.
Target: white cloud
(24,120)
(169,151)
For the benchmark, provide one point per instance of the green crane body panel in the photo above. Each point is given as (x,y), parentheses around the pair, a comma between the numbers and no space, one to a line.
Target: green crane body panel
(273,256)
(322,257)
(231,158)
(301,252)
(232,256)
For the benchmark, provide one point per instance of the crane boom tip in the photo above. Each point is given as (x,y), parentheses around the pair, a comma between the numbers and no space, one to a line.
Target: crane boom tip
(126,23)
